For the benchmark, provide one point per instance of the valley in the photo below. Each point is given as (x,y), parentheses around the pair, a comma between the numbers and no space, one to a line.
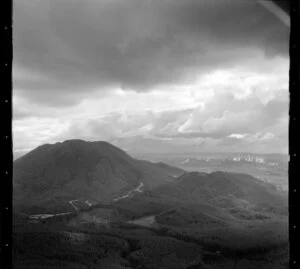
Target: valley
(149,134)
(134,213)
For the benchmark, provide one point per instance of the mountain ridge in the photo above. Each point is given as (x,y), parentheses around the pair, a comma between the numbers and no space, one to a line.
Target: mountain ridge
(83,170)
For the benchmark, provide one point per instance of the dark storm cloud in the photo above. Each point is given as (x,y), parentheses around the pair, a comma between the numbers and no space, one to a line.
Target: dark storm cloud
(83,46)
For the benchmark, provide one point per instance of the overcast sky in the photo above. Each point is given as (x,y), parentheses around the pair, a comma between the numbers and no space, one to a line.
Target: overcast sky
(151,75)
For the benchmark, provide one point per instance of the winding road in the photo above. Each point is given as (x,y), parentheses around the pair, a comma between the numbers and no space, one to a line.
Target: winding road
(71,203)
(137,189)
(46,216)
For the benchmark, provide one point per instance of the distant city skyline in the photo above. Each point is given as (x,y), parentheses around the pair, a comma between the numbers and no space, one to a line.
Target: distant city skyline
(151,76)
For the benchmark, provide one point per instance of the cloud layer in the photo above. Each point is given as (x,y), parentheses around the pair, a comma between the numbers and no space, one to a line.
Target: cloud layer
(212,73)
(71,48)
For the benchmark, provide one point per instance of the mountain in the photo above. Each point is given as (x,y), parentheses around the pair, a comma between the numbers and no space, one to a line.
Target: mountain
(142,213)
(272,168)
(169,170)
(228,212)
(53,174)
(226,190)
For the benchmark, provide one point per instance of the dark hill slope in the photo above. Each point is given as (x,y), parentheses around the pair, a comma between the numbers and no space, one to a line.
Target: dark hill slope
(76,169)
(226,190)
